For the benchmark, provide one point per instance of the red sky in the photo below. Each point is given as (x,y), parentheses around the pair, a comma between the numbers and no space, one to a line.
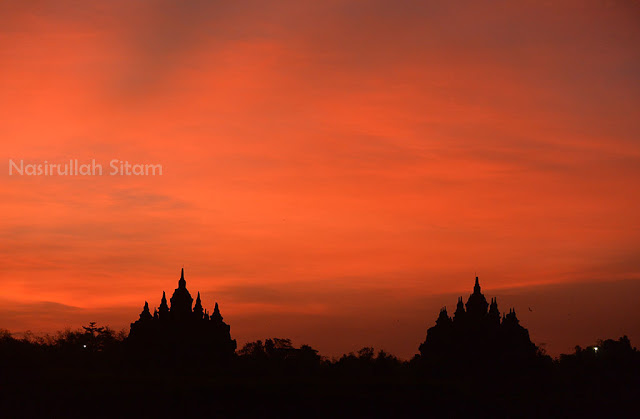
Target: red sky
(333,171)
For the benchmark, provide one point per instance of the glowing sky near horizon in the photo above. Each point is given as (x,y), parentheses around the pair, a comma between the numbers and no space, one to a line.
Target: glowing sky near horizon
(331,170)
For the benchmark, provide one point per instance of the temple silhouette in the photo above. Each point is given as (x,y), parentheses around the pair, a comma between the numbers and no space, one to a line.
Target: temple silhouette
(180,330)
(477,334)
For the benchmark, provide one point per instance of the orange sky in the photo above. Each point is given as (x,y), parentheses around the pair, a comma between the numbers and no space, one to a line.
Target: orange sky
(333,171)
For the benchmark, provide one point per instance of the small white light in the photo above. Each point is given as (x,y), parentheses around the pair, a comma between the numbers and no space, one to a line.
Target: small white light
(84,346)
(595,349)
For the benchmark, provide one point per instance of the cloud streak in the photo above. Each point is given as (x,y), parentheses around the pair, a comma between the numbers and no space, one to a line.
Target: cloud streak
(318,155)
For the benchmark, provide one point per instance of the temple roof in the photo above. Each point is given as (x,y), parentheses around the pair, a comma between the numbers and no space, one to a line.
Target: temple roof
(477,303)
(181,300)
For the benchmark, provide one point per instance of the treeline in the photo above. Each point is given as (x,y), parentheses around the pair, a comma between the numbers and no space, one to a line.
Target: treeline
(92,372)
(103,347)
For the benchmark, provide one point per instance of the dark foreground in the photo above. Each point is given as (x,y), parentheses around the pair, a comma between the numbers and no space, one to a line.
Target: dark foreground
(61,377)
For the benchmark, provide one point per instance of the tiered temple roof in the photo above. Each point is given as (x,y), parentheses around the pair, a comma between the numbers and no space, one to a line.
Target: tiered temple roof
(476,332)
(183,327)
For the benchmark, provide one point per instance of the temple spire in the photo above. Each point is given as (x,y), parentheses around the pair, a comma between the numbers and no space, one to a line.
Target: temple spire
(182,283)
(163,310)
(198,312)
(146,314)
(216,316)
(181,301)
(477,304)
